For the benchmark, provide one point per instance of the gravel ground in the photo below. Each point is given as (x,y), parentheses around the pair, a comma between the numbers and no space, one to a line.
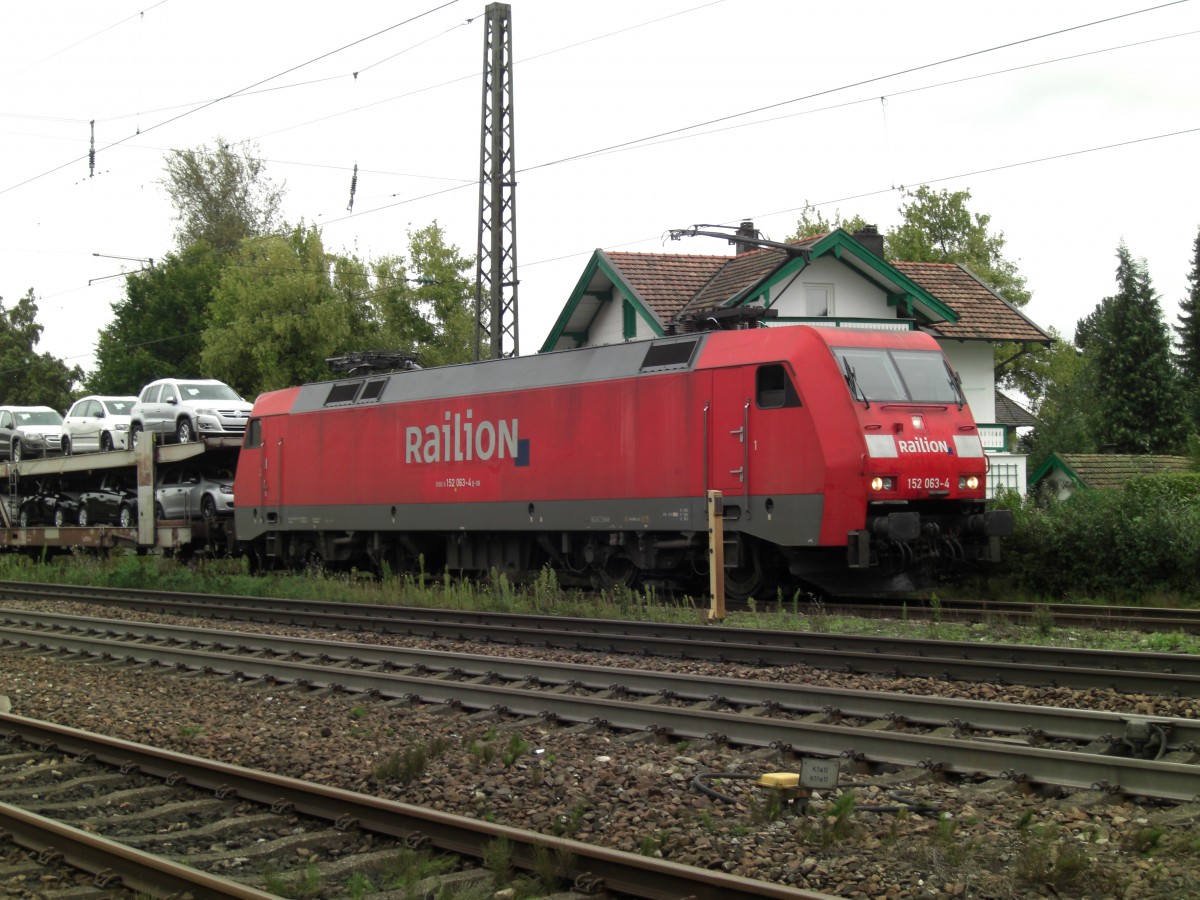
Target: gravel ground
(955,839)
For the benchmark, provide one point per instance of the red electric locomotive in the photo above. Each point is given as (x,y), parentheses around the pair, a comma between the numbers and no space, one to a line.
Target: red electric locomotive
(846,459)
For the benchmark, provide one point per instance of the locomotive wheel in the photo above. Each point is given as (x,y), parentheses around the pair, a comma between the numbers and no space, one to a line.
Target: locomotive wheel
(617,571)
(747,580)
(313,564)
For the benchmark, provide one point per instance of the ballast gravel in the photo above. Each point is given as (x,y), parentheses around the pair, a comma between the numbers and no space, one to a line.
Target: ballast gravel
(895,834)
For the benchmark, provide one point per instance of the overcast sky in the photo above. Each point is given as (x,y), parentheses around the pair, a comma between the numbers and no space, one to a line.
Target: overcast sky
(1073,133)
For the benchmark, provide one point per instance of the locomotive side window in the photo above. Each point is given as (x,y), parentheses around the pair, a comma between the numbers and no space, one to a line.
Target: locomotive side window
(773,389)
(345,392)
(253,435)
(673,354)
(373,390)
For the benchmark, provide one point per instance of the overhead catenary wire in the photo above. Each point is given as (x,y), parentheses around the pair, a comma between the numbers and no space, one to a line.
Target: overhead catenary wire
(472,182)
(228,96)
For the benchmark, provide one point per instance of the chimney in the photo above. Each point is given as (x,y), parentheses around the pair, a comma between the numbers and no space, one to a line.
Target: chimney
(745,230)
(870,238)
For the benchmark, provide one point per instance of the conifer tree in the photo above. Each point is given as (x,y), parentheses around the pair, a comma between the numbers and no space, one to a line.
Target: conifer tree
(1130,350)
(1187,354)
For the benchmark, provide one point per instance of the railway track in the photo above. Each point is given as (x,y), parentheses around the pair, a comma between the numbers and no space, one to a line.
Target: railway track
(1138,755)
(1057,615)
(62,790)
(1151,673)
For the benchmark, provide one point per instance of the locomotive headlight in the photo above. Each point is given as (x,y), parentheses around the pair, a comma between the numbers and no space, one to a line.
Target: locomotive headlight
(968,482)
(882,483)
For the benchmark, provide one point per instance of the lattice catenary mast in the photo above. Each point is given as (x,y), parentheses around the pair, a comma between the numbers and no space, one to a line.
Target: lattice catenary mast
(496,271)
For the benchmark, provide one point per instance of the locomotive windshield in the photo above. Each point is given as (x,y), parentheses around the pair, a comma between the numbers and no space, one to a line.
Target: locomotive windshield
(898,376)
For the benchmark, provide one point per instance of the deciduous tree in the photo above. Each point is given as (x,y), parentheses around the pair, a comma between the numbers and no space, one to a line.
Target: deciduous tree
(157,327)
(275,316)
(812,223)
(221,195)
(29,378)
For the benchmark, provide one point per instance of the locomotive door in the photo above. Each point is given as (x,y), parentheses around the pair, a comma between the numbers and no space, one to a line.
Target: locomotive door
(728,439)
(270,478)
(269,454)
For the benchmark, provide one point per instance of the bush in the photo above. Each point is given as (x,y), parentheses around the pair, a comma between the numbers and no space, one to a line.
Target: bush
(1120,545)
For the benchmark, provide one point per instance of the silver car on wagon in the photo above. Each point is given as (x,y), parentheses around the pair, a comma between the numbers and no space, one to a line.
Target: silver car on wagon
(188,408)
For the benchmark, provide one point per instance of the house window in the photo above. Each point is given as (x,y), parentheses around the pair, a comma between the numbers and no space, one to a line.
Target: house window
(1007,476)
(818,300)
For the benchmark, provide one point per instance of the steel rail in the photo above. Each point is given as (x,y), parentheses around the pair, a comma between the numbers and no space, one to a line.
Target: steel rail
(137,870)
(1167,780)
(615,870)
(582,633)
(962,714)
(1158,673)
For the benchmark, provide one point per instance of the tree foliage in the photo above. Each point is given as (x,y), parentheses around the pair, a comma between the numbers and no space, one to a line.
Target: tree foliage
(1063,391)
(937,226)
(442,291)
(275,315)
(221,195)
(812,223)
(284,306)
(29,378)
(156,330)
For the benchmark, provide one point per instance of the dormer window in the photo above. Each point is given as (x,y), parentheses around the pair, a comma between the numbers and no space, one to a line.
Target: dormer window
(818,300)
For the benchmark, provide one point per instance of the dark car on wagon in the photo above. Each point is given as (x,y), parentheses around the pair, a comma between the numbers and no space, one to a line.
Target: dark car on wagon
(113,502)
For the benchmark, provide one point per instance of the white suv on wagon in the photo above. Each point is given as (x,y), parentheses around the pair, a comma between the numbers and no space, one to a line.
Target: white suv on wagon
(188,408)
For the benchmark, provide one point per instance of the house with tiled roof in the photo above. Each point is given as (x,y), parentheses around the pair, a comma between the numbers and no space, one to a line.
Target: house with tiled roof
(836,280)
(1064,473)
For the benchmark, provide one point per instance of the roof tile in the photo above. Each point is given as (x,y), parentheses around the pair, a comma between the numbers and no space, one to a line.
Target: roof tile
(675,283)
(1113,470)
(982,314)
(666,281)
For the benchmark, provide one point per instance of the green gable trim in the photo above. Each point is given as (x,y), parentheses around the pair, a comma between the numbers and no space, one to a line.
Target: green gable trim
(849,322)
(598,263)
(841,245)
(1050,465)
(840,240)
(628,320)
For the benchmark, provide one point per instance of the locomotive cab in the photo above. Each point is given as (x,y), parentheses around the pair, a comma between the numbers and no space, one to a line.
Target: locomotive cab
(924,468)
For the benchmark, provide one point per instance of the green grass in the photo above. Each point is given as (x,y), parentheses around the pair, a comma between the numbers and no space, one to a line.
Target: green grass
(545,595)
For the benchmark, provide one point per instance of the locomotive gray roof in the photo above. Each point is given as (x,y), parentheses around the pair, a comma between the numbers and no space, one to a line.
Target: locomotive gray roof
(589,364)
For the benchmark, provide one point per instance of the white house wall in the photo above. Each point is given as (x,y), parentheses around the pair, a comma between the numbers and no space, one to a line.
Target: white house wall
(974,363)
(853,297)
(609,325)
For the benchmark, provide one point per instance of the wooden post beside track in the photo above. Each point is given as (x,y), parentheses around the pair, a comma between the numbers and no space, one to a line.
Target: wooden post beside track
(716,557)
